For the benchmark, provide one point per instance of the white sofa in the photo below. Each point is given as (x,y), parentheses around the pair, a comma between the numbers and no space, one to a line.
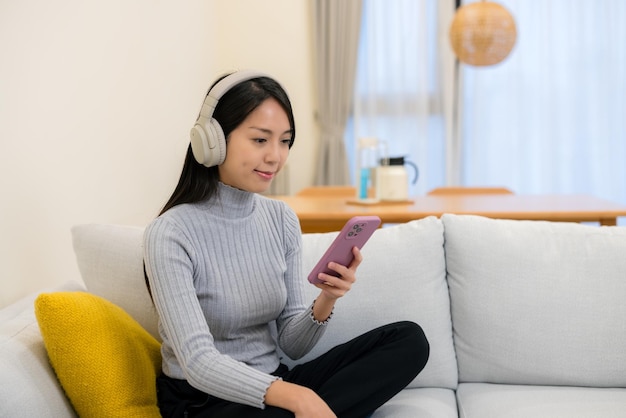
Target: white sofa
(524,318)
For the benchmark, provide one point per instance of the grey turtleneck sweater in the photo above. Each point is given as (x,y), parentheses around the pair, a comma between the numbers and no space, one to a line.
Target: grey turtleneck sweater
(221,271)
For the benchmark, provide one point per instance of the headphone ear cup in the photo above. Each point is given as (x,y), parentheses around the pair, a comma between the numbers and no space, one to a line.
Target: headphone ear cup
(207,136)
(218,154)
(208,143)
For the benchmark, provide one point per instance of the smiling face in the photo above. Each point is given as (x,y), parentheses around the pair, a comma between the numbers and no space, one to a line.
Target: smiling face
(257,149)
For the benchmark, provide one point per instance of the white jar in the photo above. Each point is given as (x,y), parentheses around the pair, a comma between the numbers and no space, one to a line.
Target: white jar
(392,183)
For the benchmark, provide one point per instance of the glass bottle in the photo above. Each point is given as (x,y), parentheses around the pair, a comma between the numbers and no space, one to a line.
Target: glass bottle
(368,156)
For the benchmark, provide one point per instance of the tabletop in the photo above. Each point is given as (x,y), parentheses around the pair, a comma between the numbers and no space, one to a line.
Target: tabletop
(329,213)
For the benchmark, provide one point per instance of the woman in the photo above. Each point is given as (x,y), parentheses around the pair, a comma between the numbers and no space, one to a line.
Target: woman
(224,264)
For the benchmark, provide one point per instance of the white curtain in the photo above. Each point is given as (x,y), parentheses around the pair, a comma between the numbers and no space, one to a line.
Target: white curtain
(399,94)
(551,118)
(336,29)
(450,89)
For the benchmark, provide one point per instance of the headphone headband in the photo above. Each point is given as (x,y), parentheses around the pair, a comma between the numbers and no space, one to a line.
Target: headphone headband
(221,88)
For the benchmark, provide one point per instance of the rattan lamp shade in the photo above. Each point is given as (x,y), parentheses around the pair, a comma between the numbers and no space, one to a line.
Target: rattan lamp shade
(482,33)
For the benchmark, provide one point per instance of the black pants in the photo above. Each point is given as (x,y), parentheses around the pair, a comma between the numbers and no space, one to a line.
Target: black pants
(354,378)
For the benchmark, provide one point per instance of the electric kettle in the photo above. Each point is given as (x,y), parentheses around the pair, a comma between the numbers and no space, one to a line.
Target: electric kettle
(392,179)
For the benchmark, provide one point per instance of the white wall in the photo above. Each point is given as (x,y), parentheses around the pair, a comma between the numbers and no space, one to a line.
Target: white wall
(96,101)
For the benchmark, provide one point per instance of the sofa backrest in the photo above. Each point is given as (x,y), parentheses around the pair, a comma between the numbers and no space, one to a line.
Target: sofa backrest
(401,278)
(110,260)
(537,303)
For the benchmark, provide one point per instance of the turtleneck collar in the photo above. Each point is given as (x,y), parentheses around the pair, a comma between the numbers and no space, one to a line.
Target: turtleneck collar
(233,203)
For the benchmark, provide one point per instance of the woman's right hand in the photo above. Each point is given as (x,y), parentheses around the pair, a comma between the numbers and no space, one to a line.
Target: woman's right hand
(300,400)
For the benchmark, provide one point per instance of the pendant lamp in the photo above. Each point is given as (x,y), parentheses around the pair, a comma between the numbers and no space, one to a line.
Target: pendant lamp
(482,33)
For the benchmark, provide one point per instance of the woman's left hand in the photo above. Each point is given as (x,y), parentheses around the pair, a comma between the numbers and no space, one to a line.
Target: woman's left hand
(336,287)
(332,288)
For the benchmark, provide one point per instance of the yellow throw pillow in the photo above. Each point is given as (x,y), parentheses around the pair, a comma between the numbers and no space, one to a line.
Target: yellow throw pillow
(106,362)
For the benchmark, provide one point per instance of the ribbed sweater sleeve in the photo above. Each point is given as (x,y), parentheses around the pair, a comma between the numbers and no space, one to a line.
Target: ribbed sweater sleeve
(221,273)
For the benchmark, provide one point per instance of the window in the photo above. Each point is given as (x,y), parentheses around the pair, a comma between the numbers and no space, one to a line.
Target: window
(548,119)
(397,88)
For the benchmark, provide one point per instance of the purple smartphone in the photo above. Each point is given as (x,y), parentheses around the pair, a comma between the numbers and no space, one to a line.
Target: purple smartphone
(354,233)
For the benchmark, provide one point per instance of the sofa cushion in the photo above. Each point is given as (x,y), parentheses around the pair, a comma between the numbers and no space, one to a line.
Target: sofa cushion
(106,362)
(28,385)
(482,400)
(536,302)
(420,402)
(110,260)
(402,277)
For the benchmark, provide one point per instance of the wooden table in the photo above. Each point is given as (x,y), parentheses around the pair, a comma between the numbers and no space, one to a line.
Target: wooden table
(323,214)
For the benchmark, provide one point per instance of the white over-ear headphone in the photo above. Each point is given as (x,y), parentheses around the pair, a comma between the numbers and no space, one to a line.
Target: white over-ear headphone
(207,137)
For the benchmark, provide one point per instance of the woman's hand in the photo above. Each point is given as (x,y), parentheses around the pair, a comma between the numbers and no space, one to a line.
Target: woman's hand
(300,400)
(335,287)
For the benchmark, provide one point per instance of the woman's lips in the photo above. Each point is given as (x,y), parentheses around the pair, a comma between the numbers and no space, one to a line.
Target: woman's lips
(268,175)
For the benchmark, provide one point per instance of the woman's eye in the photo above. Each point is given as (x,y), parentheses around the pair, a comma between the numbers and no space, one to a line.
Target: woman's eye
(287,141)
(260,140)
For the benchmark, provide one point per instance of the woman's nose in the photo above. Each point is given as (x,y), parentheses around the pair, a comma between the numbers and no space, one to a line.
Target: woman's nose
(273,152)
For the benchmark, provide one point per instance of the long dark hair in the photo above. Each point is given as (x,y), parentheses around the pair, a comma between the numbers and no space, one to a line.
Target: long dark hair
(198,182)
